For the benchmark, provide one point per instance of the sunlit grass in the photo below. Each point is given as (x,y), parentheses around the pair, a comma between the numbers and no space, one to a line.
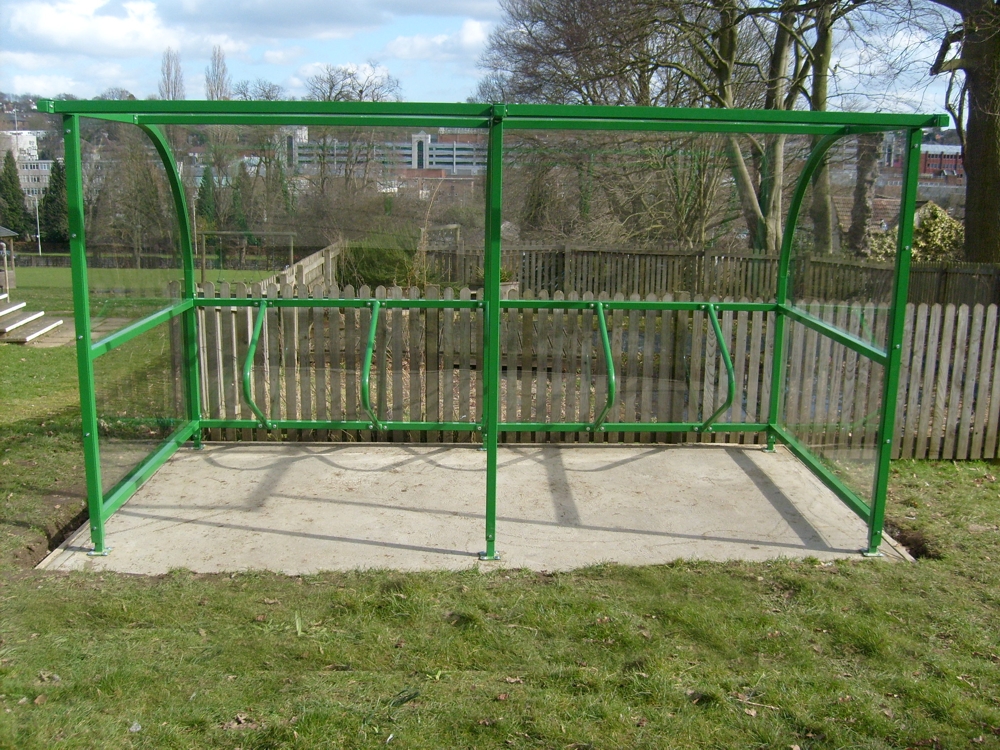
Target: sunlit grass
(860,654)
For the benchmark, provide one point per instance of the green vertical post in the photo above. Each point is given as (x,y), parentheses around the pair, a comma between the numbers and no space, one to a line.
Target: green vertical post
(192,376)
(813,163)
(491,316)
(894,338)
(81,317)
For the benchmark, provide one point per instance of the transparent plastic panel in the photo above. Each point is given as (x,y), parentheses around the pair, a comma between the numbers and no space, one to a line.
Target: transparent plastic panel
(832,403)
(279,204)
(309,366)
(844,249)
(634,213)
(342,213)
(140,399)
(133,246)
(668,364)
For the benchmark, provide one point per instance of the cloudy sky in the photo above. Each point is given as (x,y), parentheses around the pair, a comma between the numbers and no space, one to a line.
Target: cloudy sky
(82,47)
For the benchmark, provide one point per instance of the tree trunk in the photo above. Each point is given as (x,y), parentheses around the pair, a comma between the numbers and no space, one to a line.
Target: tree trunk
(981,51)
(864,188)
(821,209)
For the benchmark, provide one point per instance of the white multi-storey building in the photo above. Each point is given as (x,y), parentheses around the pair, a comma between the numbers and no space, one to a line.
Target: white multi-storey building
(32,172)
(34,176)
(22,143)
(456,153)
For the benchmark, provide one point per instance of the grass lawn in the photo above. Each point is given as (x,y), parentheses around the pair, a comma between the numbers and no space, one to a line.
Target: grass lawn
(856,654)
(113,290)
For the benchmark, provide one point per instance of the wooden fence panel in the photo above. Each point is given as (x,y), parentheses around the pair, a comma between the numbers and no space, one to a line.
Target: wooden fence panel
(427,367)
(983,381)
(704,273)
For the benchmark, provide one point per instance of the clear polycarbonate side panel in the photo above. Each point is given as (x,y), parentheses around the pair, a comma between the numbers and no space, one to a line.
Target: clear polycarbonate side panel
(360,206)
(844,249)
(426,367)
(832,404)
(133,246)
(343,213)
(634,213)
(140,399)
(668,364)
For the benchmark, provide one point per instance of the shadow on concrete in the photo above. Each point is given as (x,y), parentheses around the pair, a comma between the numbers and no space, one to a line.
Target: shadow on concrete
(297,534)
(806,544)
(772,493)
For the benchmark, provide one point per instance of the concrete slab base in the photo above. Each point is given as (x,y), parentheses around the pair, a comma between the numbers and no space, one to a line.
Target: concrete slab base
(303,508)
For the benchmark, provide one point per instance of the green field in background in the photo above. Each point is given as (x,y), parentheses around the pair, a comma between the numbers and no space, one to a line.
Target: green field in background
(50,289)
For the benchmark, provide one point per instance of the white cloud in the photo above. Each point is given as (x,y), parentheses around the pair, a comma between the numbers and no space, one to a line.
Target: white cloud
(46,85)
(80,26)
(27,60)
(84,46)
(464,44)
(283,56)
(364,70)
(313,19)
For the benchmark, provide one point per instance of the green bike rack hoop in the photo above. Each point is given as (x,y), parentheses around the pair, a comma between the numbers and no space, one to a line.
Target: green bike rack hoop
(612,377)
(248,364)
(706,426)
(366,367)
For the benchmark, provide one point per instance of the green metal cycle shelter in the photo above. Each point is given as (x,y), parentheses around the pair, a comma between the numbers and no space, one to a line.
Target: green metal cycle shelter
(824,127)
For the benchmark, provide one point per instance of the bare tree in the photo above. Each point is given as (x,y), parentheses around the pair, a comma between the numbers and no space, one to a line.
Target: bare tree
(976,36)
(258,90)
(353,83)
(869,145)
(346,83)
(720,53)
(171,76)
(117,93)
(217,80)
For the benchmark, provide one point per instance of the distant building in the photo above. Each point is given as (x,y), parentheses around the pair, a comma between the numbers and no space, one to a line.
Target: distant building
(34,176)
(939,163)
(455,154)
(938,160)
(22,143)
(32,172)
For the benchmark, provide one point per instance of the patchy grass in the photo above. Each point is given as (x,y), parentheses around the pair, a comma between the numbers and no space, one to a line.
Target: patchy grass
(125,292)
(41,461)
(861,654)
(692,655)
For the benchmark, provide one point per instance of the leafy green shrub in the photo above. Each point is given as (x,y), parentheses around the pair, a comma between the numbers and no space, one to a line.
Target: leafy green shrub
(937,237)
(377,265)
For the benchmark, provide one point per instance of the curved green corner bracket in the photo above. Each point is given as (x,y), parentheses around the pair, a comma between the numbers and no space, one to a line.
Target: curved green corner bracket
(192,376)
(813,163)
(366,367)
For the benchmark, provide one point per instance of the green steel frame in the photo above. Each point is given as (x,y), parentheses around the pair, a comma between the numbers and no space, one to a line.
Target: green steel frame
(495,119)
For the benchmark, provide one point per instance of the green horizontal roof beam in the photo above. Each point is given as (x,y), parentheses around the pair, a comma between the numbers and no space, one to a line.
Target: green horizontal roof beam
(694,117)
(330,121)
(284,108)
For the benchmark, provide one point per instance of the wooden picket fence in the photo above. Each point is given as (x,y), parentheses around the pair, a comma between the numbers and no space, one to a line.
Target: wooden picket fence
(643,271)
(427,368)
